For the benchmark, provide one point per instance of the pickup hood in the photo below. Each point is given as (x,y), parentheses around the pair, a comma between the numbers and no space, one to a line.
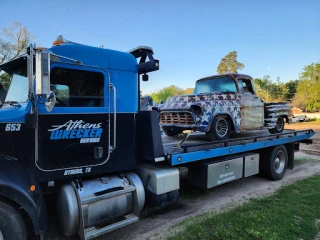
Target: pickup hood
(16,113)
(201,100)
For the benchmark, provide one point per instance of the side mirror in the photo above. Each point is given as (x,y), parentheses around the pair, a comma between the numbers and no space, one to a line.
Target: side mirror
(42,73)
(50,101)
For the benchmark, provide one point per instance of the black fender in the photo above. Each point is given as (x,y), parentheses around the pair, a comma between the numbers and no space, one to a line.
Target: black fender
(15,182)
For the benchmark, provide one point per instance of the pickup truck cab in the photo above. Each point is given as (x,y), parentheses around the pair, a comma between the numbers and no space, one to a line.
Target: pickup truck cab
(221,104)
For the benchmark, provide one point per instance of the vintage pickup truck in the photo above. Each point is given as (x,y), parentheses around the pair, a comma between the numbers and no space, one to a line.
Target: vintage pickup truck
(221,104)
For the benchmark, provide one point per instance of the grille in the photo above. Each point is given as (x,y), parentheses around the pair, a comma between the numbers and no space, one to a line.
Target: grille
(177,118)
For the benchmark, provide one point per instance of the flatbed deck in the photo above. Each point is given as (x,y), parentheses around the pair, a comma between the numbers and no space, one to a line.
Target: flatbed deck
(196,147)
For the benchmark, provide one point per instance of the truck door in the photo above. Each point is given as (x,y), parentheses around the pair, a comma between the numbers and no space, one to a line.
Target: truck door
(76,133)
(252,108)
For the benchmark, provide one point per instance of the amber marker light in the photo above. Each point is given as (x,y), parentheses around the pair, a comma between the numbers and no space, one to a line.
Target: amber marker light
(32,188)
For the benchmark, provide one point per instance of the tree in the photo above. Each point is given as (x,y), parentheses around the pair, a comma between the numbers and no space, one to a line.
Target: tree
(270,91)
(262,87)
(188,90)
(5,80)
(165,93)
(14,41)
(229,64)
(291,89)
(308,90)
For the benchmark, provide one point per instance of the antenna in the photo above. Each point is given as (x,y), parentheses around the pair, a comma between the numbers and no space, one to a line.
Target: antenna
(63,20)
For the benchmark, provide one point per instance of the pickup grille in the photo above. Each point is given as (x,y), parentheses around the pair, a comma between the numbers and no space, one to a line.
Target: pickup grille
(177,118)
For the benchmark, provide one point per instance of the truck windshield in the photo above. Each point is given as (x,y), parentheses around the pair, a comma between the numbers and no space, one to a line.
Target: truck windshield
(215,84)
(18,90)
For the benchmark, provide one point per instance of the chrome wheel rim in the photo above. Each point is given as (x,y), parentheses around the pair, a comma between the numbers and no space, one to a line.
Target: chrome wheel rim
(222,127)
(280,124)
(279,162)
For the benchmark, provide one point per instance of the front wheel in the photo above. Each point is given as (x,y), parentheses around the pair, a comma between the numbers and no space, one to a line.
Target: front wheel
(274,162)
(220,128)
(12,225)
(279,126)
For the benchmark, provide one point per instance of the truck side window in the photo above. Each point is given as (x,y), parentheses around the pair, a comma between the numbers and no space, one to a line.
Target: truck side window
(77,88)
(245,86)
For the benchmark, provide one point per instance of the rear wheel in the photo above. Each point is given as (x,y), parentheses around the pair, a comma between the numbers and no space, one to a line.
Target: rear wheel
(12,225)
(279,126)
(171,131)
(274,162)
(220,128)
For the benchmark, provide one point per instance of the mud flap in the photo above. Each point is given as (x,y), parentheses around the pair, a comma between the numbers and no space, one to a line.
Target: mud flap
(290,149)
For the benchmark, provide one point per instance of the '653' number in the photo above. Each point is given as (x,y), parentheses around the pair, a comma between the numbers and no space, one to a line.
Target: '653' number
(13,127)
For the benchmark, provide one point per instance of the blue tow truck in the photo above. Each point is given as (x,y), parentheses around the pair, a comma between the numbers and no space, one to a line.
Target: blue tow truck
(73,138)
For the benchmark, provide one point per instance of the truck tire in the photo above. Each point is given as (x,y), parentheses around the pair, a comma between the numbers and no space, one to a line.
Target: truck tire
(171,131)
(274,162)
(12,225)
(220,128)
(279,126)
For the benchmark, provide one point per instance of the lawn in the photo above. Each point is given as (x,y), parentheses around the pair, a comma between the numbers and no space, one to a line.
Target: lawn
(292,213)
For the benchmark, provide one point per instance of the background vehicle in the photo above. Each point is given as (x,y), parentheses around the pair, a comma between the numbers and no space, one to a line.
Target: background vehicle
(300,118)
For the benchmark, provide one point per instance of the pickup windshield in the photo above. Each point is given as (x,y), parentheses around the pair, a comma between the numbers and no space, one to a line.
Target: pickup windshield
(215,84)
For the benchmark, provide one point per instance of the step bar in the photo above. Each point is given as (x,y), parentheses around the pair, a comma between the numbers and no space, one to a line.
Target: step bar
(93,232)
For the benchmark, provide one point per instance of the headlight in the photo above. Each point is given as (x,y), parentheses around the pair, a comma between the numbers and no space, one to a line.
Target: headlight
(196,110)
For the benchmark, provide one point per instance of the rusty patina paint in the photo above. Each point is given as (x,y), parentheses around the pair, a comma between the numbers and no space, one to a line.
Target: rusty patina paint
(273,111)
(251,113)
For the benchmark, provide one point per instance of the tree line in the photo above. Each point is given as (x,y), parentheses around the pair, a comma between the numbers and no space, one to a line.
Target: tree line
(304,92)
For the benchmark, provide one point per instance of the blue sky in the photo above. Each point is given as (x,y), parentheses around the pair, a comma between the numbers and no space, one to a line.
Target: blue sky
(276,38)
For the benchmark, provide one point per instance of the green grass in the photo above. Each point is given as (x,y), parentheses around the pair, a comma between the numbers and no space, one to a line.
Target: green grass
(290,214)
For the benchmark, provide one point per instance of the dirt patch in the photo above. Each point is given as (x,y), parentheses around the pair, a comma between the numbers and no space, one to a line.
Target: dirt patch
(315,125)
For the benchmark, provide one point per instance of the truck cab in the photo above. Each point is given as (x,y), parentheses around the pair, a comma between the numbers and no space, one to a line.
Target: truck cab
(79,118)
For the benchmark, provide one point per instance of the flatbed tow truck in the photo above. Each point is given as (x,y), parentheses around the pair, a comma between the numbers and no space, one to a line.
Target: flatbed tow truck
(74,136)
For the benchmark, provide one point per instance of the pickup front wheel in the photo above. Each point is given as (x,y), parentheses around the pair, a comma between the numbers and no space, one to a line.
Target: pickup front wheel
(220,128)
(279,126)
